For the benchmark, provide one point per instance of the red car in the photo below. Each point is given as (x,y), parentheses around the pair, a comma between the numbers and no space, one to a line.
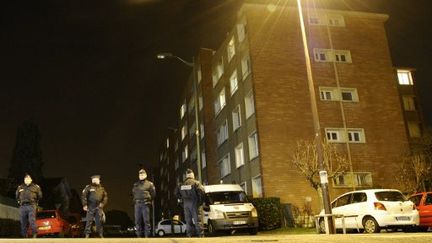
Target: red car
(51,223)
(423,202)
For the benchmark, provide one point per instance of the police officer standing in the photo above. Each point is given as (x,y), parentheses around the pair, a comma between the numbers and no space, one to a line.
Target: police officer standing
(94,198)
(143,193)
(28,195)
(191,192)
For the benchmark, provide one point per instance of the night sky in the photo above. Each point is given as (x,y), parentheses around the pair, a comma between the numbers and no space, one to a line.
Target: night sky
(85,72)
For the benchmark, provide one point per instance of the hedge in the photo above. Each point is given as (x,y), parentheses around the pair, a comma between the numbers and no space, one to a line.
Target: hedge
(269,212)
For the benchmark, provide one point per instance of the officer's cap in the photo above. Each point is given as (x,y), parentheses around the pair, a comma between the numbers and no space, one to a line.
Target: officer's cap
(95,176)
(142,171)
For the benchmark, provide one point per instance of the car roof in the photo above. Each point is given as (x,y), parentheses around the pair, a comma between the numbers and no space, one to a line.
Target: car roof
(223,188)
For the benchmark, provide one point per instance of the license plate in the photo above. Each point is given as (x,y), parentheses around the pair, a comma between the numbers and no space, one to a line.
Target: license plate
(239,222)
(44,228)
(403,218)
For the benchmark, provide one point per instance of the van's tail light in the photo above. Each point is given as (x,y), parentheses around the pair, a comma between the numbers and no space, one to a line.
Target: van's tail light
(379,206)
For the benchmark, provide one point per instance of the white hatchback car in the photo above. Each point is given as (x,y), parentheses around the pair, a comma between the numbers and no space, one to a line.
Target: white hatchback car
(168,226)
(374,209)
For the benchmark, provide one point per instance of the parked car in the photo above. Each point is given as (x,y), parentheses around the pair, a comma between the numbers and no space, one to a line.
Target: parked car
(423,202)
(77,226)
(52,223)
(372,210)
(169,226)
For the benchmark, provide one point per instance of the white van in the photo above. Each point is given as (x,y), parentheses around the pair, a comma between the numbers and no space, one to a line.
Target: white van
(227,209)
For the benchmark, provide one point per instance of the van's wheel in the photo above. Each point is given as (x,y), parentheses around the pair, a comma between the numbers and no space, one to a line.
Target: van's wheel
(211,229)
(370,225)
(321,224)
(253,231)
(161,233)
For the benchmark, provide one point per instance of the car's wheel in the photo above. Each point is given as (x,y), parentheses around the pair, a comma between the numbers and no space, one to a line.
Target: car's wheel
(370,225)
(211,229)
(161,233)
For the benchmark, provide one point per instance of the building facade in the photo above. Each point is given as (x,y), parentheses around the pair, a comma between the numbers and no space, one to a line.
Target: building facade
(258,103)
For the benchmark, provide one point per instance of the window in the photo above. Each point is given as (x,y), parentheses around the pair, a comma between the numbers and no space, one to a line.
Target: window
(246,66)
(253,146)
(233,82)
(202,130)
(199,74)
(329,55)
(356,135)
(236,118)
(225,166)
(220,102)
(201,104)
(239,155)
(244,187)
(336,20)
(409,103)
(353,135)
(222,133)
(231,49)
(182,110)
(314,20)
(176,163)
(342,201)
(241,32)
(185,153)
(203,160)
(167,143)
(414,129)
(256,187)
(193,154)
(249,104)
(358,179)
(176,145)
(404,77)
(358,197)
(191,104)
(183,132)
(218,71)
(333,135)
(332,94)
(192,130)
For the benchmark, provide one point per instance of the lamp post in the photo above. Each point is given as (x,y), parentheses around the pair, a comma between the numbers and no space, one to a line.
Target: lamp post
(315,118)
(167,55)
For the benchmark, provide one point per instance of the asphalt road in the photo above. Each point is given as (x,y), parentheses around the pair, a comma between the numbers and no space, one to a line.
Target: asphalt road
(309,238)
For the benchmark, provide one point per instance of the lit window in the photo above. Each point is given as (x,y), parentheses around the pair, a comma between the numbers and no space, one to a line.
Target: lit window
(183,132)
(231,49)
(256,187)
(202,130)
(220,102)
(203,160)
(191,104)
(236,118)
(414,129)
(222,133)
(218,71)
(358,179)
(249,104)
(404,77)
(409,103)
(349,94)
(182,110)
(342,56)
(353,135)
(241,32)
(329,55)
(253,146)
(167,143)
(332,94)
(233,82)
(246,66)
(199,74)
(201,104)
(225,166)
(356,135)
(185,153)
(333,135)
(239,155)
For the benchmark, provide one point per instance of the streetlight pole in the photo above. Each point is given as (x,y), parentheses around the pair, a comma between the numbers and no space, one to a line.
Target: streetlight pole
(315,118)
(195,87)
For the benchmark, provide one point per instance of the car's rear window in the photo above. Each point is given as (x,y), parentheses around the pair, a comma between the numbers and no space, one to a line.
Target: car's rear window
(390,196)
(45,215)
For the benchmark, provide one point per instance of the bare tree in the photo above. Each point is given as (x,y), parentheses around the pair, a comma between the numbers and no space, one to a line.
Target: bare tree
(305,159)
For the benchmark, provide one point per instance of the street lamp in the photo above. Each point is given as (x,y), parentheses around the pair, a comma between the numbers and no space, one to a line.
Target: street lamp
(166,55)
(315,118)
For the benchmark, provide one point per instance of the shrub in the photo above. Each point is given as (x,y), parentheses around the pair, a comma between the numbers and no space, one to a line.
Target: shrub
(269,212)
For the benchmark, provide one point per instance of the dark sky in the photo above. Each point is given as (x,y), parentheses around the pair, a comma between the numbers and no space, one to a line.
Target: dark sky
(85,71)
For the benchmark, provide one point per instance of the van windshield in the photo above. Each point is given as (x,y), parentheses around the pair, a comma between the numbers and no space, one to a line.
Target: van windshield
(226,197)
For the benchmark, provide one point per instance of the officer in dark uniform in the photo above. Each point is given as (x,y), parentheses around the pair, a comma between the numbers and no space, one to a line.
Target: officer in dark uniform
(28,196)
(191,192)
(143,193)
(94,198)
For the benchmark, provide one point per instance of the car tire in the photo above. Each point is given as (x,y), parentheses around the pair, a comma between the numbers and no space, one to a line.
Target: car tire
(370,225)
(253,231)
(161,233)
(211,229)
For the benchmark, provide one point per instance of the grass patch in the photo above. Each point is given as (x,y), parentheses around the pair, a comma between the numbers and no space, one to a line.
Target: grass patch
(288,231)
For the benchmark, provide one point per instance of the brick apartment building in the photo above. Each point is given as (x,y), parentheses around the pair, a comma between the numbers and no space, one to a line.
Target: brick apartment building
(254,104)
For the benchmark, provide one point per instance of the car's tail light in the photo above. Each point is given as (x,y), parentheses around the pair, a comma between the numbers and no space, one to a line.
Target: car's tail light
(379,206)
